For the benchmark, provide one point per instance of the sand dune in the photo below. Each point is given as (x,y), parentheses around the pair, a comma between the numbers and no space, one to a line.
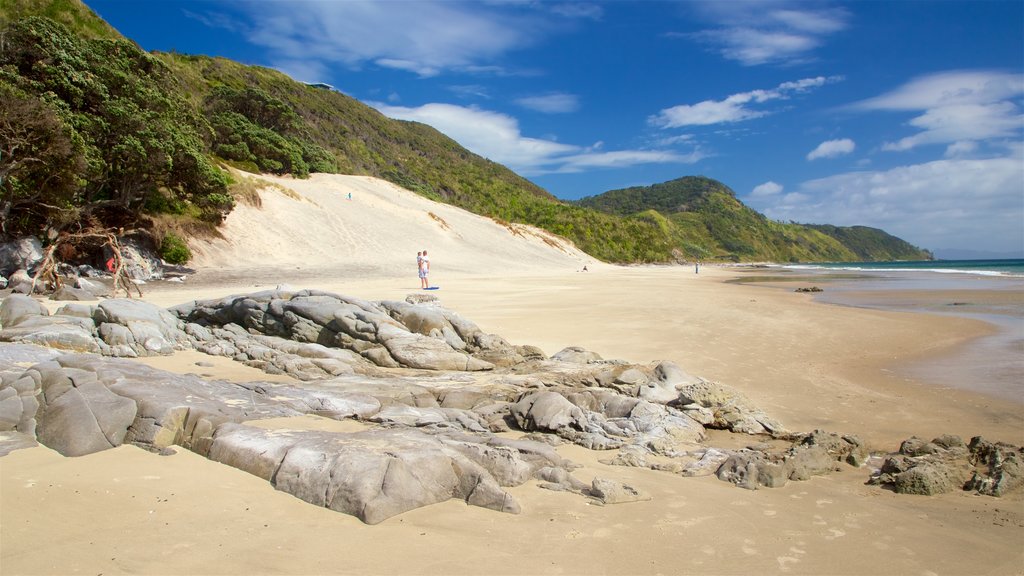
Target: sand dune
(358,226)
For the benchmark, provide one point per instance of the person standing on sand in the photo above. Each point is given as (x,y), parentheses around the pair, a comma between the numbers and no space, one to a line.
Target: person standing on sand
(424,264)
(419,263)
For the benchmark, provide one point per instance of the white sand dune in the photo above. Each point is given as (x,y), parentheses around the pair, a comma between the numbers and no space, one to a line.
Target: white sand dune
(330,224)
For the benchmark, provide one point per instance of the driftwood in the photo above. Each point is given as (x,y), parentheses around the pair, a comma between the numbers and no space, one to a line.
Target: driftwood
(47,271)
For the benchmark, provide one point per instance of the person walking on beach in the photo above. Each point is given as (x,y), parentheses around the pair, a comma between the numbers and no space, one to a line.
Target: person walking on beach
(424,265)
(419,262)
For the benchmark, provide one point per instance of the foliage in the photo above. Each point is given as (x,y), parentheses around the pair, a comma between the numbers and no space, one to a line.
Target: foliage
(41,162)
(130,137)
(706,220)
(174,250)
(870,244)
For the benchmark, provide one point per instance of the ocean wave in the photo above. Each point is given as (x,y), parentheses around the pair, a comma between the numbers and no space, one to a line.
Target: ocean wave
(854,268)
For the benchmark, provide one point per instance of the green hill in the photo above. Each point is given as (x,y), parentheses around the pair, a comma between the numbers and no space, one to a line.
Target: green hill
(704,219)
(100,133)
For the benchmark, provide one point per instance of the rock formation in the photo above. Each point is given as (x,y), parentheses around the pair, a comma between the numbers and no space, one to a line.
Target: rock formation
(433,390)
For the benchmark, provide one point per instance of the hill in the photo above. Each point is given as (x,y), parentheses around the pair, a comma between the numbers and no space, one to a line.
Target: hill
(100,133)
(704,219)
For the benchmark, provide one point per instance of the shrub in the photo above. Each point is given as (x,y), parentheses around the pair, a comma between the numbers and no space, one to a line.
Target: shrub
(174,250)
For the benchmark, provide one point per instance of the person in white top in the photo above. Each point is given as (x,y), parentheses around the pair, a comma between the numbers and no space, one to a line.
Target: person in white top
(424,264)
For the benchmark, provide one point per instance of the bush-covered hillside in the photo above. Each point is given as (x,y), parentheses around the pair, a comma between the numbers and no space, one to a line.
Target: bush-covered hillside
(95,132)
(704,219)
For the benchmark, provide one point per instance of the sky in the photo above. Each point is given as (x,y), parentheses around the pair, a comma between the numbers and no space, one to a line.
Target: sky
(905,116)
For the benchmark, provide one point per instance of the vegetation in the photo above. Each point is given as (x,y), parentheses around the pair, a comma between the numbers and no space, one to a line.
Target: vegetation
(95,132)
(703,218)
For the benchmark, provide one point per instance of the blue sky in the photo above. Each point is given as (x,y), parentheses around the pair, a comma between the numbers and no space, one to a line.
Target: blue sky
(905,116)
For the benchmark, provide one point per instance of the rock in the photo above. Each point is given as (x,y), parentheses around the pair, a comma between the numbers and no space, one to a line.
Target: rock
(421,299)
(614,492)
(73,294)
(547,412)
(945,464)
(372,475)
(27,321)
(730,409)
(17,307)
(11,441)
(709,462)
(929,478)
(22,254)
(576,355)
(999,467)
(94,287)
(77,414)
(144,328)
(140,260)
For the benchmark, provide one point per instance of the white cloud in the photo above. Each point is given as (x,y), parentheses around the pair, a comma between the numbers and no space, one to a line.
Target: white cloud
(767,189)
(557,103)
(832,149)
(423,37)
(497,136)
(953,203)
(734,108)
(759,32)
(949,89)
(625,159)
(960,148)
(471,91)
(957,107)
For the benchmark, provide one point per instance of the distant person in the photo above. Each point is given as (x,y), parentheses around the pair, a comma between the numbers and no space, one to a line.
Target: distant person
(696,267)
(424,264)
(349,195)
(419,263)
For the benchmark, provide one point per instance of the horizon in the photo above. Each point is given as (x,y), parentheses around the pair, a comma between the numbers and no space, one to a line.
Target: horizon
(903,116)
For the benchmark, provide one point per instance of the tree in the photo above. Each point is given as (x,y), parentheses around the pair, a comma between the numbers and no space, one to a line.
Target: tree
(41,164)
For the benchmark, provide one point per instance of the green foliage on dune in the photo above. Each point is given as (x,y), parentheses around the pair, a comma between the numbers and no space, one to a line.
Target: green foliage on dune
(125,135)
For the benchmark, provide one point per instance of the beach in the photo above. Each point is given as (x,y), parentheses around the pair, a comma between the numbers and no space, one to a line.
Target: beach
(811,364)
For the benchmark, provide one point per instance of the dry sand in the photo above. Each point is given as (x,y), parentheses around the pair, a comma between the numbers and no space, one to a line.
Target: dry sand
(811,365)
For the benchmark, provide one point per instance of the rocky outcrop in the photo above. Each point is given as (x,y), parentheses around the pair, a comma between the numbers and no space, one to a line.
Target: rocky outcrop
(432,390)
(946,464)
(719,406)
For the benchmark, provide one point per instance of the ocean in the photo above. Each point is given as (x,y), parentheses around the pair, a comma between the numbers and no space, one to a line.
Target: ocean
(1007,267)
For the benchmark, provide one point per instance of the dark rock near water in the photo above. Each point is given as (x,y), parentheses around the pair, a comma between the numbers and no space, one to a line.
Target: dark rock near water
(945,464)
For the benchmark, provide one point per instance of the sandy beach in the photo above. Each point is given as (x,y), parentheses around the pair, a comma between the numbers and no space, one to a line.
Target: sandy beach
(810,364)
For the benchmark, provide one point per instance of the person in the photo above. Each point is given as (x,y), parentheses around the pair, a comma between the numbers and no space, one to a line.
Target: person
(424,265)
(419,263)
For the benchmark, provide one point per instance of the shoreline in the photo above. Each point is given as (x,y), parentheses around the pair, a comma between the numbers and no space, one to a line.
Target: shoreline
(991,363)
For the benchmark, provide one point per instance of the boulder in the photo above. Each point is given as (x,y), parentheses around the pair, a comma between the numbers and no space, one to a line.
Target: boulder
(730,409)
(547,412)
(77,414)
(21,254)
(576,355)
(372,475)
(608,491)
